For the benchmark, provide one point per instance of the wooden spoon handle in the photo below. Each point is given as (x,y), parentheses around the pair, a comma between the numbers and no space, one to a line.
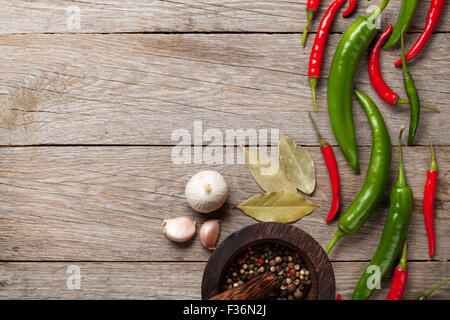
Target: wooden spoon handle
(255,289)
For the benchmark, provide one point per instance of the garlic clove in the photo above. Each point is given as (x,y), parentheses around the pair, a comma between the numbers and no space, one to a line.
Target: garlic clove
(179,229)
(206,191)
(209,232)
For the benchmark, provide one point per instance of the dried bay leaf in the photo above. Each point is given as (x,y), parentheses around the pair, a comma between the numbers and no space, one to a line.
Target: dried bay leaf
(266,172)
(279,206)
(297,164)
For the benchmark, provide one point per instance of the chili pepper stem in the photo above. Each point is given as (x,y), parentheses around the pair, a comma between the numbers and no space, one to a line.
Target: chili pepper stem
(404,67)
(403,264)
(433,165)
(323,142)
(404,101)
(401,180)
(430,292)
(305,31)
(338,235)
(374,15)
(313,82)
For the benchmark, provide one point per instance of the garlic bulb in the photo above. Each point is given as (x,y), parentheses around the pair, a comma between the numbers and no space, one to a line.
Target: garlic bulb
(179,229)
(209,232)
(206,191)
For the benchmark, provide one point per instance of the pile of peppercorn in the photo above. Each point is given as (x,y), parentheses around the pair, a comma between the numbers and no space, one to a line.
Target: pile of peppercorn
(294,275)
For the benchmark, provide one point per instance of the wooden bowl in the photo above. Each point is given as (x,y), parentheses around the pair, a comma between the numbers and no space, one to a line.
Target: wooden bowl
(323,284)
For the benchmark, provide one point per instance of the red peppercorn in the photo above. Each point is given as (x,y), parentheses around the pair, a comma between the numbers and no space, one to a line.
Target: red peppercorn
(240,261)
(292,272)
(296,255)
(260,260)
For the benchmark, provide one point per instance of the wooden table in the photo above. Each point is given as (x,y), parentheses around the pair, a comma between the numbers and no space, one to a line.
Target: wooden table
(87,117)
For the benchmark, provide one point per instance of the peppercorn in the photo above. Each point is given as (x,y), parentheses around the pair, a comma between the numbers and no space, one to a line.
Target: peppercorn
(298,294)
(270,257)
(291,288)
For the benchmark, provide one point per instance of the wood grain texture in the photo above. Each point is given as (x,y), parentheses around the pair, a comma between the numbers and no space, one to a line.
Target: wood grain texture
(108,203)
(134,72)
(110,16)
(110,280)
(139,88)
(255,289)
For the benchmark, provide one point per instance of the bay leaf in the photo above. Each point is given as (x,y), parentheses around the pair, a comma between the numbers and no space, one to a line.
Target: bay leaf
(279,206)
(266,172)
(297,164)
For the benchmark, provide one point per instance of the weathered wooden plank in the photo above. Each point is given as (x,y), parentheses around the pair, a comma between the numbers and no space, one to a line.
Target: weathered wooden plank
(108,203)
(138,89)
(108,280)
(180,16)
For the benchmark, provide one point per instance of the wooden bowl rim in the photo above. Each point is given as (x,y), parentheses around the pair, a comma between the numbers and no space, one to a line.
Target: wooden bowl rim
(323,279)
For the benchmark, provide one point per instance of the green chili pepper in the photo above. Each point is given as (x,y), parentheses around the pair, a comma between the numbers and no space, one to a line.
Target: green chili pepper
(405,14)
(394,233)
(377,174)
(413,96)
(340,81)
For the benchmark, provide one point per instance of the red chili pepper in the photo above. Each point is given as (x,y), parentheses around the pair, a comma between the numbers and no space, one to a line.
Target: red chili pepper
(338,297)
(428,201)
(434,14)
(318,48)
(376,78)
(351,7)
(330,161)
(400,278)
(311,8)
